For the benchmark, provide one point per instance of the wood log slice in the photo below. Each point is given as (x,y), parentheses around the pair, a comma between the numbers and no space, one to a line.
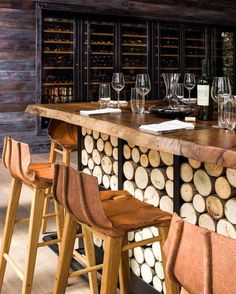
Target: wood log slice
(96,157)
(186,172)
(156,249)
(135,154)
(83,131)
(89,143)
(166,204)
(87,171)
(154,158)
(139,254)
(188,212)
(199,203)
(159,270)
(97,241)
(151,196)
(139,194)
(115,167)
(129,169)
(187,191)
(135,267)
(104,136)
(141,177)
(96,134)
(207,222)
(130,236)
(144,160)
(146,273)
(231,176)
(114,141)
(157,284)
(203,182)
(147,234)
(170,172)
(149,257)
(223,188)
(106,164)
(224,227)
(126,151)
(158,178)
(108,148)
(114,182)
(167,158)
(106,181)
(143,149)
(100,145)
(196,164)
(130,186)
(213,170)
(97,172)
(91,164)
(138,236)
(131,145)
(169,186)
(155,231)
(84,157)
(115,153)
(230,210)
(215,206)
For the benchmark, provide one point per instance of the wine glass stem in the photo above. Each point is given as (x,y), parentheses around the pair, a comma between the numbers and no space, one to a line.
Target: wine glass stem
(118,99)
(189,91)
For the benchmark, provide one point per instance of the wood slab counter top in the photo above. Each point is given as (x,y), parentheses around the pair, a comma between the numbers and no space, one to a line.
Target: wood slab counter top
(204,143)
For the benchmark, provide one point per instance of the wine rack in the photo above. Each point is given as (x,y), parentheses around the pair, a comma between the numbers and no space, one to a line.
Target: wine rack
(134,53)
(57,59)
(195,48)
(99,55)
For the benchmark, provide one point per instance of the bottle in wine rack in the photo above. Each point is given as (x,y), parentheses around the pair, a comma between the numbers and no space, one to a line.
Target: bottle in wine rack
(204,101)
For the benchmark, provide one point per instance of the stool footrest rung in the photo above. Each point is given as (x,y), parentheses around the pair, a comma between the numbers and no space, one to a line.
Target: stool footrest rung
(48,243)
(81,259)
(49,215)
(86,270)
(141,243)
(14,266)
(22,220)
(58,151)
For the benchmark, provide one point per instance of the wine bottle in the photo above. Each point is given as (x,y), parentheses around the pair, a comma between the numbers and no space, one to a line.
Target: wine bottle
(204,101)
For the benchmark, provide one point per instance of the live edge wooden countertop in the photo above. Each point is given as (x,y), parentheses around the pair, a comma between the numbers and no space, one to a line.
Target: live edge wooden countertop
(204,143)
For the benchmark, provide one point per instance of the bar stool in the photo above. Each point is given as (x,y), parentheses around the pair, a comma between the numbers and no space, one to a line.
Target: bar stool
(64,140)
(110,215)
(199,260)
(38,177)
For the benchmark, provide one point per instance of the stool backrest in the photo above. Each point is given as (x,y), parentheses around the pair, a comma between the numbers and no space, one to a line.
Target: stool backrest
(58,129)
(16,158)
(201,261)
(79,194)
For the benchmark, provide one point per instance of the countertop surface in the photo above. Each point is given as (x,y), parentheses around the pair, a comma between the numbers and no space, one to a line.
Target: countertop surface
(203,143)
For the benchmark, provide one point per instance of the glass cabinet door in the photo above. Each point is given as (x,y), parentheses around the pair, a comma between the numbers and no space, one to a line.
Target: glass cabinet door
(99,55)
(223,54)
(133,53)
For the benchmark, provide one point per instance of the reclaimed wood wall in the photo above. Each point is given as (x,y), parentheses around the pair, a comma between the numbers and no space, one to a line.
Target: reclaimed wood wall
(17,47)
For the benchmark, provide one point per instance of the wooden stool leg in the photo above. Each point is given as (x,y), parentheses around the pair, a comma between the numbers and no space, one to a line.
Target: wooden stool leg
(66,156)
(111,261)
(91,261)
(59,218)
(170,287)
(9,225)
(34,232)
(52,158)
(124,271)
(67,246)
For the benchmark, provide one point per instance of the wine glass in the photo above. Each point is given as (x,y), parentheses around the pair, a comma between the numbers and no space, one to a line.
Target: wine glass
(189,83)
(179,90)
(118,84)
(220,93)
(104,94)
(143,85)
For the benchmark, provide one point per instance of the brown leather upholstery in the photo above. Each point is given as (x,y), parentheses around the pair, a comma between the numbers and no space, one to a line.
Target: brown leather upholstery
(63,134)
(199,260)
(111,212)
(16,158)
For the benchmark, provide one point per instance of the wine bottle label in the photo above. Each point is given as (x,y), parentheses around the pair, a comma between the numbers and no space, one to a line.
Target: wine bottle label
(203,95)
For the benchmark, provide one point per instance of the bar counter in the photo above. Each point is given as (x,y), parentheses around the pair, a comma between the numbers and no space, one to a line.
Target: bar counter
(191,172)
(204,143)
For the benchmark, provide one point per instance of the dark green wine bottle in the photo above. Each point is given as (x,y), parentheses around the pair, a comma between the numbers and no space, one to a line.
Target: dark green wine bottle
(204,100)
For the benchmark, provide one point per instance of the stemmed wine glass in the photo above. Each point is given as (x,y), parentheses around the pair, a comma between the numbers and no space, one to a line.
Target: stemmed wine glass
(220,93)
(118,84)
(143,86)
(189,82)
(104,94)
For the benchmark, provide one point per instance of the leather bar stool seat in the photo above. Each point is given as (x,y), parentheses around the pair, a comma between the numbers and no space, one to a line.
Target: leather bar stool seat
(199,260)
(38,177)
(110,215)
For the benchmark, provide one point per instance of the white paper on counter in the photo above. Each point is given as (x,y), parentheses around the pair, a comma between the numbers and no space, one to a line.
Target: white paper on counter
(171,125)
(100,111)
